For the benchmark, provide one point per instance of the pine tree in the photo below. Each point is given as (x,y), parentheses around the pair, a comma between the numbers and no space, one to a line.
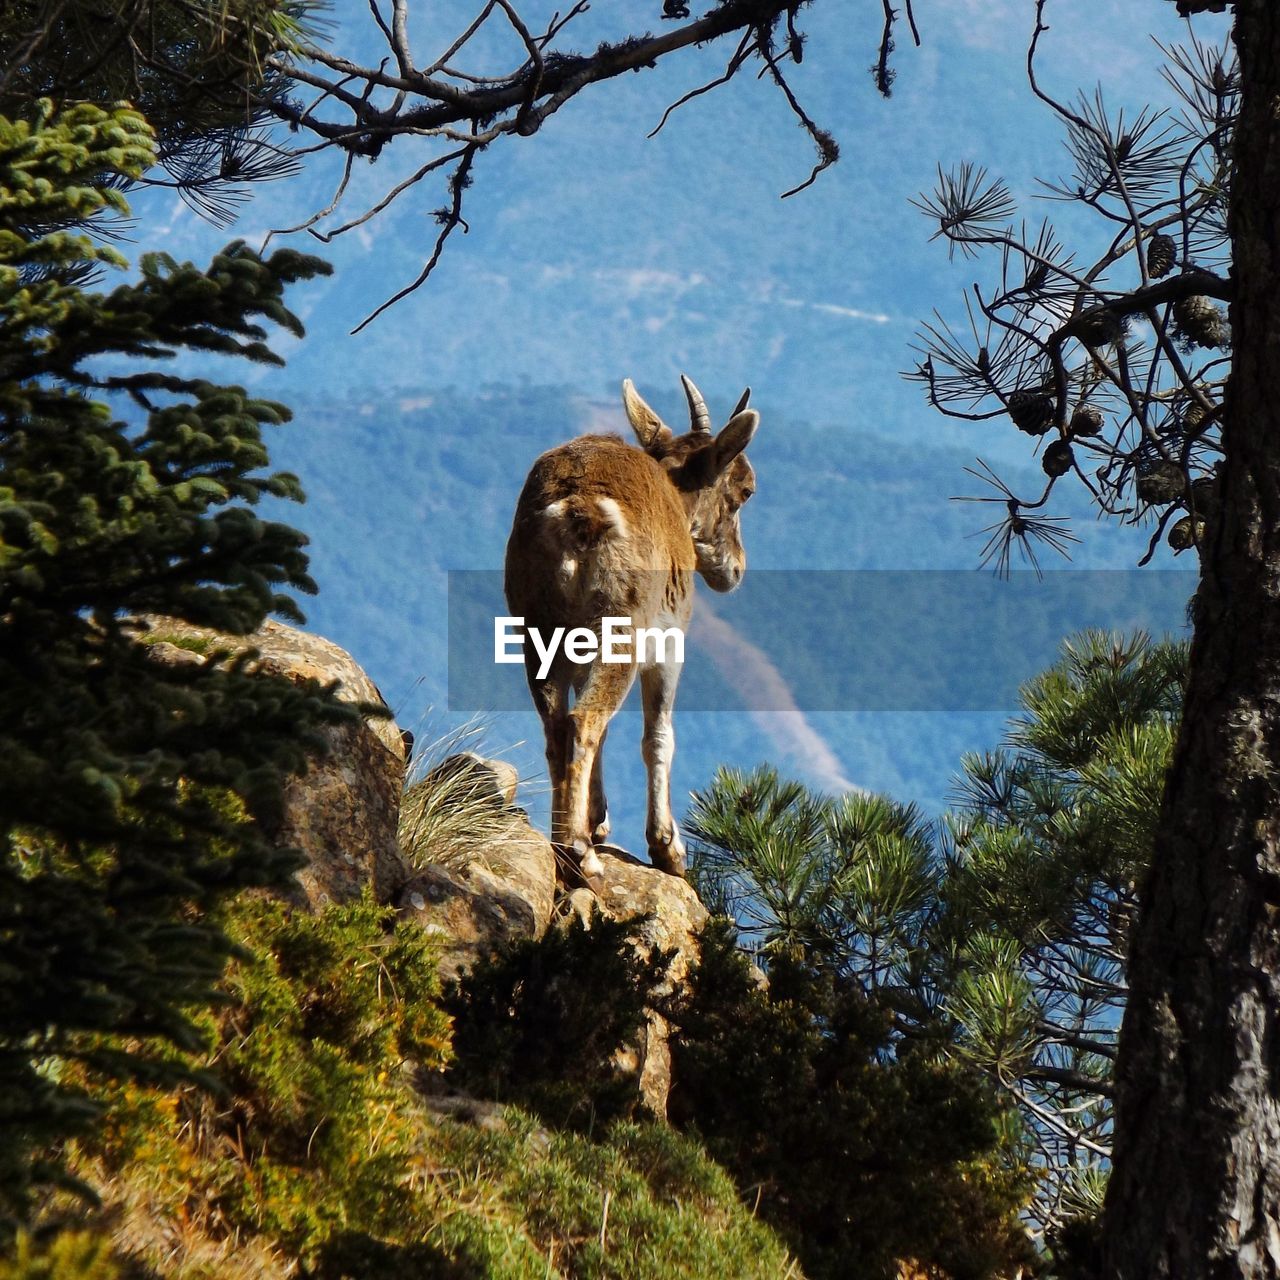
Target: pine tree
(863,1156)
(846,1105)
(1126,336)
(1049,839)
(849,883)
(998,939)
(127,787)
(197,70)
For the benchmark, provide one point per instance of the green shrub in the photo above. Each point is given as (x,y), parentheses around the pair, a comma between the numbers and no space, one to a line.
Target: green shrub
(640,1203)
(69,1255)
(302,1126)
(861,1154)
(542,1022)
(312,1146)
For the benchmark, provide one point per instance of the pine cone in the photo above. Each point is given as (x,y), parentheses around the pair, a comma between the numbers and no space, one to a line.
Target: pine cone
(1200,322)
(1185,533)
(1031,411)
(1161,484)
(1101,329)
(1086,421)
(1192,415)
(1162,252)
(1058,459)
(1206,495)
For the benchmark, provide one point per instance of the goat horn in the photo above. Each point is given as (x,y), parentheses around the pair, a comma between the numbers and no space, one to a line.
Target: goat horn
(742,404)
(699,418)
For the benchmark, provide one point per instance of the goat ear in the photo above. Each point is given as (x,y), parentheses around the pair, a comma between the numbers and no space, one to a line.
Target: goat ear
(735,437)
(649,428)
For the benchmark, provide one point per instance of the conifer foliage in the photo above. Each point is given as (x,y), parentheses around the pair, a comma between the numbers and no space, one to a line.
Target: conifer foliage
(545,1022)
(863,1156)
(1044,854)
(196,69)
(869,1142)
(127,785)
(1105,343)
(995,941)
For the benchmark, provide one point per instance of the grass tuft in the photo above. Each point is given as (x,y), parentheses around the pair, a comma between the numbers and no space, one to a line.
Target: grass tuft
(454,807)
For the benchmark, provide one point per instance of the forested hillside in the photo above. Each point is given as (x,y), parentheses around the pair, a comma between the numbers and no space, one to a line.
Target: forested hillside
(402,488)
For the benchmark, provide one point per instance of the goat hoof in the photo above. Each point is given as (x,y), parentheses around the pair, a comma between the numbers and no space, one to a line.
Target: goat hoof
(667,854)
(589,862)
(600,834)
(668,857)
(580,866)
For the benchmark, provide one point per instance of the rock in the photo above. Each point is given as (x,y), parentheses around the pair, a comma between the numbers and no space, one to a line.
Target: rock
(497,884)
(504,895)
(343,812)
(482,875)
(493,780)
(675,918)
(465,1109)
(458,857)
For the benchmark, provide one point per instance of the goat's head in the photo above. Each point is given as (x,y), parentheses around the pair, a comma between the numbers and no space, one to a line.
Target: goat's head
(711,472)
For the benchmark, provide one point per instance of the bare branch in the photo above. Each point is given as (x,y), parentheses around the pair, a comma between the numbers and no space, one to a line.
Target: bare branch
(1120,363)
(449,219)
(462,41)
(735,64)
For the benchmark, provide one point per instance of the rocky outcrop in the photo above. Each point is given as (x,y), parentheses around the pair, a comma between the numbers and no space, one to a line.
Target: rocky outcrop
(504,894)
(480,875)
(504,887)
(344,811)
(457,856)
(671,918)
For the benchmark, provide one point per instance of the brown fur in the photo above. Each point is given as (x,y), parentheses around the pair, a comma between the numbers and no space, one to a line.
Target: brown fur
(605,529)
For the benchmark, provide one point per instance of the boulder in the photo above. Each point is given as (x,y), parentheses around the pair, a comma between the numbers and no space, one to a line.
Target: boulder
(343,812)
(481,875)
(498,884)
(505,894)
(458,857)
(673,918)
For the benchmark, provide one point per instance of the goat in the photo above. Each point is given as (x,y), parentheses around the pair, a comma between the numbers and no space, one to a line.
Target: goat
(605,529)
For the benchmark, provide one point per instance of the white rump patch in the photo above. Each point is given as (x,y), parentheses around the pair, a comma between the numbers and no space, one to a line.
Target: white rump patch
(613,514)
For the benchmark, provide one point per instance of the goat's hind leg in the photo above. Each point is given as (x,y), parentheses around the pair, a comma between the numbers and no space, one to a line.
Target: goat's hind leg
(599,811)
(603,691)
(598,806)
(551,698)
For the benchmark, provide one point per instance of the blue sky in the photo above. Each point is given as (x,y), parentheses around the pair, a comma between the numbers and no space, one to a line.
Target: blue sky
(596,254)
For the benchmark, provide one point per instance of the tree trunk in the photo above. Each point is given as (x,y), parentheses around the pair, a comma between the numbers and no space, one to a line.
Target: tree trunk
(1195,1190)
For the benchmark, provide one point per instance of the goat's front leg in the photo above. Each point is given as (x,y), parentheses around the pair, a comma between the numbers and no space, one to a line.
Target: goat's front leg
(658,685)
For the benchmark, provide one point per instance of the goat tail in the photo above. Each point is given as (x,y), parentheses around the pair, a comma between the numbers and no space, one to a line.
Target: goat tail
(584,523)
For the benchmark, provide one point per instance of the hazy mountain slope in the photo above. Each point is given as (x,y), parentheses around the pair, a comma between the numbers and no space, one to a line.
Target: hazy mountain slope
(406,486)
